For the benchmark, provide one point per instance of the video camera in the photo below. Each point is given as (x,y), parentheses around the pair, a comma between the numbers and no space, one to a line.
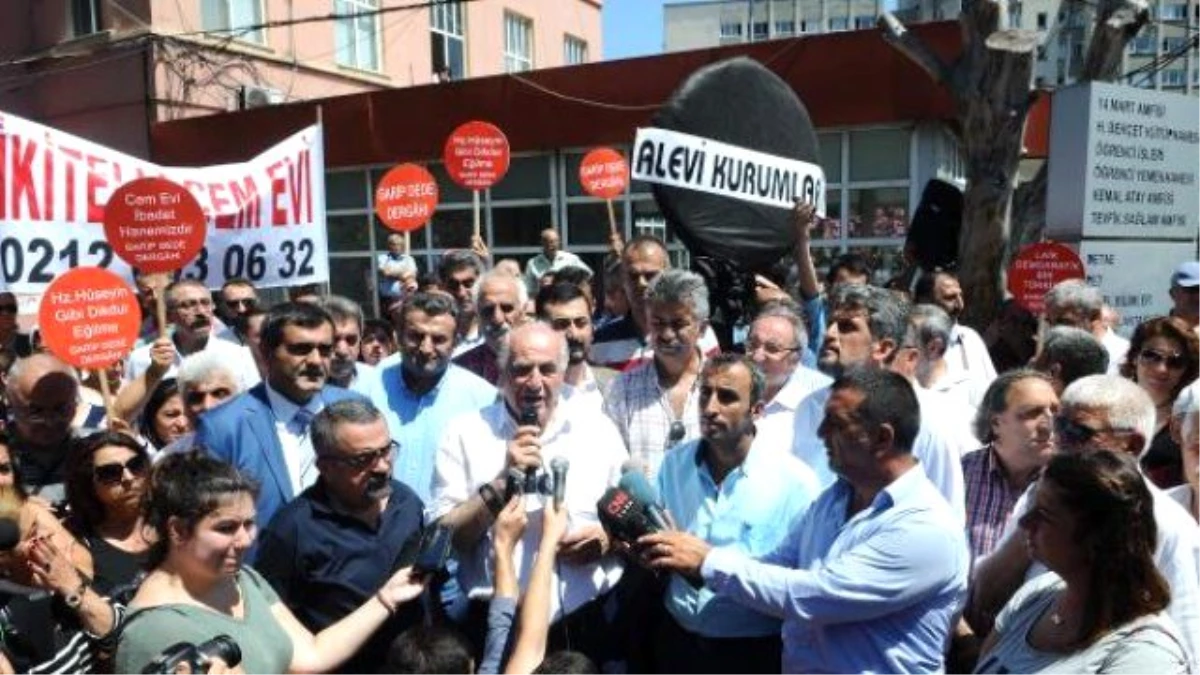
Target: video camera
(197,657)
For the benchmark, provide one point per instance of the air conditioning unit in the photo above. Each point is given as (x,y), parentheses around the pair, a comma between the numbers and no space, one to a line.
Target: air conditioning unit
(250,96)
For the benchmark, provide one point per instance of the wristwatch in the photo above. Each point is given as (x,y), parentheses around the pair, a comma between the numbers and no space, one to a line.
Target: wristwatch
(491,499)
(75,599)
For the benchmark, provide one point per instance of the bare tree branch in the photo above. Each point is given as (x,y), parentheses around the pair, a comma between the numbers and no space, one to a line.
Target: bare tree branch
(895,34)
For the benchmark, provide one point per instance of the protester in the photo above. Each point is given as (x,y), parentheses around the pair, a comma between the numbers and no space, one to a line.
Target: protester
(43,394)
(568,310)
(202,512)
(1075,303)
(459,272)
(655,405)
(309,294)
(616,304)
(11,339)
(378,341)
(1011,337)
(1016,422)
(1111,413)
(1163,358)
(149,285)
(729,491)
(190,309)
(397,272)
(1185,293)
(850,268)
(424,391)
(238,298)
(264,432)
(164,420)
(434,648)
(872,577)
(477,451)
(509,266)
(1067,354)
(551,259)
(205,382)
(966,355)
(1093,525)
(345,370)
(1185,425)
(327,551)
(499,306)
(105,486)
(934,330)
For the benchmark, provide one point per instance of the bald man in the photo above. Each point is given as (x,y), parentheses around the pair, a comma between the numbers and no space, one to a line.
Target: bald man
(43,393)
(551,259)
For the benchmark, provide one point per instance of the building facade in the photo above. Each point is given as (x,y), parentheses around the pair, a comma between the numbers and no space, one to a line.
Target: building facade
(695,25)
(109,70)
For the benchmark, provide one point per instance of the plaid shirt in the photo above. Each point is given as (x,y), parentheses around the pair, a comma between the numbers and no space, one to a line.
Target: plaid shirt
(480,360)
(641,410)
(990,499)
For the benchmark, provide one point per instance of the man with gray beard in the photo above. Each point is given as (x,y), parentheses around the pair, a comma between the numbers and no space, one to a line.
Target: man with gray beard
(330,549)
(499,306)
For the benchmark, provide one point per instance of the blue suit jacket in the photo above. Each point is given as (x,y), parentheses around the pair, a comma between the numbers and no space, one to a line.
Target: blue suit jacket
(242,432)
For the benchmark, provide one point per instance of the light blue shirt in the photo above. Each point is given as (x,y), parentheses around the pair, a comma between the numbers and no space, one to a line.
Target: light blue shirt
(417,422)
(750,511)
(366,382)
(878,592)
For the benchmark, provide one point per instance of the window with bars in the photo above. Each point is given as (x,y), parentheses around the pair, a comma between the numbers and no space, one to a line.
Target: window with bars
(785,28)
(518,43)
(447,39)
(356,37)
(227,17)
(85,17)
(731,29)
(575,50)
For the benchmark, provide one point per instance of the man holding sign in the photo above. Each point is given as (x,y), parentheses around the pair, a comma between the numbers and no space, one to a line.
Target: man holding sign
(551,259)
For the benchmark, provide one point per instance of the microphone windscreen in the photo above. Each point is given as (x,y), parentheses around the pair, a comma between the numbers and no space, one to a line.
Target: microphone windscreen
(623,516)
(636,484)
(10,534)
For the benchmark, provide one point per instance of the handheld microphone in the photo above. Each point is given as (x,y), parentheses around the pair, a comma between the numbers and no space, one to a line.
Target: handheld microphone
(623,516)
(558,467)
(529,418)
(10,534)
(636,484)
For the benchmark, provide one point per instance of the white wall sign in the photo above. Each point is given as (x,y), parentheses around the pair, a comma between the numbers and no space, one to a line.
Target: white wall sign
(1136,290)
(1124,162)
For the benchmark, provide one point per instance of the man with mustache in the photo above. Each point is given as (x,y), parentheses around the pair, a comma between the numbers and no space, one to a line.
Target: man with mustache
(568,310)
(423,390)
(345,370)
(499,307)
(265,431)
(966,355)
(190,310)
(330,549)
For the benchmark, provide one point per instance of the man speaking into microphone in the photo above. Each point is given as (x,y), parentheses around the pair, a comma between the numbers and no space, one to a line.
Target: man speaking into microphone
(727,493)
(523,433)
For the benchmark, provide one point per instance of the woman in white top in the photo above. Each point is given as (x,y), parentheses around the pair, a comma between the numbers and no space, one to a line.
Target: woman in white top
(1100,609)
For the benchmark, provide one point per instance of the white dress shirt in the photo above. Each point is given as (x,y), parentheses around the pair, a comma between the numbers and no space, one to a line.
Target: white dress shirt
(1117,347)
(297,444)
(775,428)
(473,452)
(236,358)
(1177,556)
(968,354)
(587,393)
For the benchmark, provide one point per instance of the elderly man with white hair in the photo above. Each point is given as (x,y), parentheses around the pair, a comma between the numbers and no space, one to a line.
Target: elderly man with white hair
(1185,427)
(499,307)
(1101,412)
(205,382)
(1074,303)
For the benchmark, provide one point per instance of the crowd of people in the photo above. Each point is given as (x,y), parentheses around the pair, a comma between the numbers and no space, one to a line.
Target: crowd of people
(857,483)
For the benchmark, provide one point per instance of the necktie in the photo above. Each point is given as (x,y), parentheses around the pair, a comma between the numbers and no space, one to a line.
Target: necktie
(301,422)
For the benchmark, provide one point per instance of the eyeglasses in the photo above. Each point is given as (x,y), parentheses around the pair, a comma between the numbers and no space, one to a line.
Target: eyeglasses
(8,309)
(769,348)
(325,349)
(676,433)
(1070,432)
(248,303)
(111,474)
(62,411)
(364,460)
(1153,357)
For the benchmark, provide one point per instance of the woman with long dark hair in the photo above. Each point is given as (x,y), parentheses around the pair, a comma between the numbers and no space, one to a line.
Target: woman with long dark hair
(1101,608)
(164,419)
(202,512)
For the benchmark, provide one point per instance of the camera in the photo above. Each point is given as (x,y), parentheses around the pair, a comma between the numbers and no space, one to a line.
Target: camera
(197,657)
(434,550)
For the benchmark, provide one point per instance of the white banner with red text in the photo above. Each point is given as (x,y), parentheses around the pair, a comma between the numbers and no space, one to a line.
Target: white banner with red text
(266,216)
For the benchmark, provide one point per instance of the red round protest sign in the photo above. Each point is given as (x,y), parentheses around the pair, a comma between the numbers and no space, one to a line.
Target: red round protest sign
(406,197)
(154,225)
(89,318)
(604,173)
(1037,268)
(476,155)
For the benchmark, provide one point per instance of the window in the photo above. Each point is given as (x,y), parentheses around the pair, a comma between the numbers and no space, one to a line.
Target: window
(761,30)
(731,30)
(804,26)
(1015,13)
(1173,44)
(1174,78)
(1175,12)
(518,43)
(864,22)
(785,28)
(1143,45)
(1041,20)
(575,50)
(85,17)
(1041,53)
(357,36)
(233,18)
(447,40)
(839,23)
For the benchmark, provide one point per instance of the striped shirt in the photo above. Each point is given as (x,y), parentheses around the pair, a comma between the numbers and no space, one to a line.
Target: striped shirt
(990,500)
(641,409)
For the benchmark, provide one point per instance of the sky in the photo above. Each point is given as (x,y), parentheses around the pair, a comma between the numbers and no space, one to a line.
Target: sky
(632,28)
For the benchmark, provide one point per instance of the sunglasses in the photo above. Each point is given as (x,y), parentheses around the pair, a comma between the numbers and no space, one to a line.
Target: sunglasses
(1070,432)
(249,303)
(8,309)
(364,460)
(325,349)
(111,474)
(1153,357)
(676,433)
